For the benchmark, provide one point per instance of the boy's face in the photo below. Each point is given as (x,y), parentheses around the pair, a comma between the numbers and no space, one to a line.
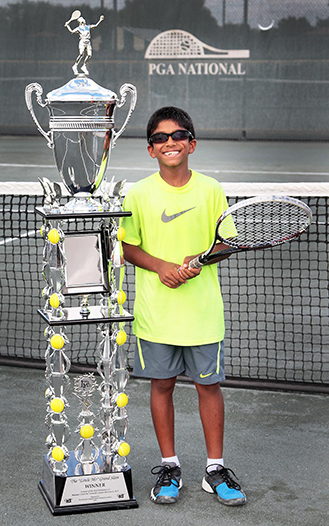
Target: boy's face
(171,153)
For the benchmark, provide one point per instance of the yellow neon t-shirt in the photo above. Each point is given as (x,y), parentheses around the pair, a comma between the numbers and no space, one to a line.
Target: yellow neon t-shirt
(171,223)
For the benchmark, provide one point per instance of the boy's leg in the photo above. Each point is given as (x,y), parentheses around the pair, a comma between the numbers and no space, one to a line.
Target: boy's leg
(217,479)
(162,410)
(211,407)
(162,363)
(206,364)
(169,481)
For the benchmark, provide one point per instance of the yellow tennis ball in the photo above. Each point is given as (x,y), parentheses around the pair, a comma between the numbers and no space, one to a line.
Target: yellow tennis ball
(87,431)
(121,234)
(121,297)
(57,341)
(53,236)
(57,454)
(57,405)
(54,301)
(121,337)
(48,332)
(48,392)
(122,400)
(124,449)
(42,230)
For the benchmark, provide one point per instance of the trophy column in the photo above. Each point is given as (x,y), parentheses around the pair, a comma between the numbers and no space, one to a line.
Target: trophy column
(92,476)
(112,365)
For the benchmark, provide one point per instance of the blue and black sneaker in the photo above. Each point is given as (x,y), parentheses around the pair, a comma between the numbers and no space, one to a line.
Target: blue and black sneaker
(218,480)
(168,484)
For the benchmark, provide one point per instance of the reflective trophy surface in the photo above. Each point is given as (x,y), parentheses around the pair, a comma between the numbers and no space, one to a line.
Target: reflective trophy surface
(81,126)
(95,474)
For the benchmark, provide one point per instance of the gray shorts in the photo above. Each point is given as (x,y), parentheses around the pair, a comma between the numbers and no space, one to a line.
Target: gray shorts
(204,364)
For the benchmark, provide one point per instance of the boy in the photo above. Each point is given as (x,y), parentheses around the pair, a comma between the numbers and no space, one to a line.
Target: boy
(179,321)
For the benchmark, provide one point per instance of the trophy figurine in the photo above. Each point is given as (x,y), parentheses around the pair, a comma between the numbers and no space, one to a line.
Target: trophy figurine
(85,48)
(81,125)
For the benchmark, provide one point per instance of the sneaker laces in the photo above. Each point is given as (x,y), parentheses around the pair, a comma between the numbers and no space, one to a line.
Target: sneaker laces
(166,476)
(224,473)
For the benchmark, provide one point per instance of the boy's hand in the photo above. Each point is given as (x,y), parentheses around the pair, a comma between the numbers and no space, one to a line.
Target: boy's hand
(188,273)
(171,274)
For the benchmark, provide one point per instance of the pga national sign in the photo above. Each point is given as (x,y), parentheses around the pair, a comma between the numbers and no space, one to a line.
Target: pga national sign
(177,52)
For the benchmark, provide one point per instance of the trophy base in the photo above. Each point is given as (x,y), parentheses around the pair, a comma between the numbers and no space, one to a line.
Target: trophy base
(72,493)
(83,202)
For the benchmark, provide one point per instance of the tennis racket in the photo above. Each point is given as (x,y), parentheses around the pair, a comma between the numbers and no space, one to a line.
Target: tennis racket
(75,15)
(256,223)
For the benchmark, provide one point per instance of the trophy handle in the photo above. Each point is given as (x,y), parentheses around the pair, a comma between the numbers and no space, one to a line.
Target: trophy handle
(125,88)
(28,98)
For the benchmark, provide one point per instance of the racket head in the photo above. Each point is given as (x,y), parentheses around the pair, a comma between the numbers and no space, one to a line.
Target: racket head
(263,222)
(76,14)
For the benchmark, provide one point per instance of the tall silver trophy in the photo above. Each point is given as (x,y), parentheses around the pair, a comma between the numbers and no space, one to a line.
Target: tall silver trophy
(86,264)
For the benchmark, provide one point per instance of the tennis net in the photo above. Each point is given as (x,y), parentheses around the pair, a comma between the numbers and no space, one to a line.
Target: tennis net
(276,301)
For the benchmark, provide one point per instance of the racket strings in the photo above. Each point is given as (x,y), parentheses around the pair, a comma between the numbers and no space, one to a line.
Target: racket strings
(265,224)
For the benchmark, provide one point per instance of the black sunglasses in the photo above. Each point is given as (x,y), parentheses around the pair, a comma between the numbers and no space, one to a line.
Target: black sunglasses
(178,135)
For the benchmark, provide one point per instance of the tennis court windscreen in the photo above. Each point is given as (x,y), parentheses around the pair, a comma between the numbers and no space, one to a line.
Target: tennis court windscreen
(276,301)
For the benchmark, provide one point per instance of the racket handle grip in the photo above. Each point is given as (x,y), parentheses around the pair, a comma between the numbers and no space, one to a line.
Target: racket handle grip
(195,263)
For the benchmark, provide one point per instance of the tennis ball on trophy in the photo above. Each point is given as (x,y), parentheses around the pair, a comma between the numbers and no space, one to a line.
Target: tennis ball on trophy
(54,301)
(124,449)
(121,338)
(87,431)
(42,230)
(53,236)
(122,400)
(121,298)
(57,454)
(48,392)
(121,234)
(57,341)
(57,405)
(48,332)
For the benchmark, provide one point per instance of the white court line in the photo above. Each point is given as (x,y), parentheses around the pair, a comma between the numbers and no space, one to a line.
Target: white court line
(264,172)
(148,169)
(11,165)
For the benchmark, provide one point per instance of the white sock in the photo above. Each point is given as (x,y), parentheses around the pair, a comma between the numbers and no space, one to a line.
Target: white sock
(214,463)
(168,460)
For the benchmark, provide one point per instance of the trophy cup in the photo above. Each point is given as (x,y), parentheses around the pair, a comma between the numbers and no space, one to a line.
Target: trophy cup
(81,135)
(81,127)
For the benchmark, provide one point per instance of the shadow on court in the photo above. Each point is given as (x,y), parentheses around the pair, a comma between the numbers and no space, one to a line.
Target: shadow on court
(277,443)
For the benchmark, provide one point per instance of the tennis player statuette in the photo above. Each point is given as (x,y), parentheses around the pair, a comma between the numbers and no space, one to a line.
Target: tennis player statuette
(84,263)
(85,49)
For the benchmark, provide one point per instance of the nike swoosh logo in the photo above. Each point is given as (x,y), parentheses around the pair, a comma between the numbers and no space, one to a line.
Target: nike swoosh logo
(167,219)
(205,375)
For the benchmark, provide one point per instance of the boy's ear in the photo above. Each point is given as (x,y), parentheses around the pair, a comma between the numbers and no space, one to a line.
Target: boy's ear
(192,146)
(151,151)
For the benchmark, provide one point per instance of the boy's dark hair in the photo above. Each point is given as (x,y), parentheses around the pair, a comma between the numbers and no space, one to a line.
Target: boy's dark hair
(169,113)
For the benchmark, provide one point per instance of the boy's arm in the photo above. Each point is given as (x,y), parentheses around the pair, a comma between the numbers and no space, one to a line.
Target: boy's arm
(167,271)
